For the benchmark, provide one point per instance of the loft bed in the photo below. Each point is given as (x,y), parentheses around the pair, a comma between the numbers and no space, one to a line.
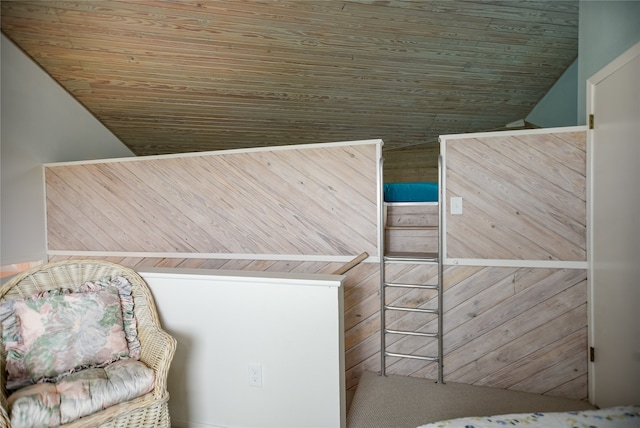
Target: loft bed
(410,217)
(424,191)
(177,213)
(502,194)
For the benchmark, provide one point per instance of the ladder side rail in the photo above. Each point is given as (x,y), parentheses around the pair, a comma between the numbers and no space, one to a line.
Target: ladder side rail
(381,253)
(383,322)
(441,256)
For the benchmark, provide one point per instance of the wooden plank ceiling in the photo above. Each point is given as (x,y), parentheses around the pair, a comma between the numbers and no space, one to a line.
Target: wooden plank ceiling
(183,76)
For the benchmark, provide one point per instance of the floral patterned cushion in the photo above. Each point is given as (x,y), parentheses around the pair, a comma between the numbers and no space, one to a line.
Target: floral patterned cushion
(53,334)
(79,394)
(126,302)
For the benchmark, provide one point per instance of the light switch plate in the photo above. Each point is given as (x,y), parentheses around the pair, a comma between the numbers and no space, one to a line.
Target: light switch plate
(456,205)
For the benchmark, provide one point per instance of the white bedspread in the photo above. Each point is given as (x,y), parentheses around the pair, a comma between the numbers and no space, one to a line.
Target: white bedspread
(612,417)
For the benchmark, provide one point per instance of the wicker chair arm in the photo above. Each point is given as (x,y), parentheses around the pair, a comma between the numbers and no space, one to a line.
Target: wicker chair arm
(157,354)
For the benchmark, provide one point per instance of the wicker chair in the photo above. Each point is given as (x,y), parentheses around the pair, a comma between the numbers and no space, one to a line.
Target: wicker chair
(157,347)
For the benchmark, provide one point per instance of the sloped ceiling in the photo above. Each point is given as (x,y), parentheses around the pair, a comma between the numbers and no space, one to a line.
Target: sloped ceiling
(182,76)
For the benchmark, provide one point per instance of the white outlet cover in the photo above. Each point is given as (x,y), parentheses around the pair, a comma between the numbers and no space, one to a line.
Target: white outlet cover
(255,375)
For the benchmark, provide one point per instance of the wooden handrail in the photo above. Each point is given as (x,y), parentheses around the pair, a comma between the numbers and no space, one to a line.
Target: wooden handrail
(353,263)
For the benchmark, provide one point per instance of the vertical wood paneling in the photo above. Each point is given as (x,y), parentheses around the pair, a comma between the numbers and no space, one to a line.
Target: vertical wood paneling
(523,196)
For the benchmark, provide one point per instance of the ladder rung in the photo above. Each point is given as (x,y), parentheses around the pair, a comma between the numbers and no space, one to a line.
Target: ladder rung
(415,259)
(421,310)
(415,357)
(403,227)
(411,333)
(422,286)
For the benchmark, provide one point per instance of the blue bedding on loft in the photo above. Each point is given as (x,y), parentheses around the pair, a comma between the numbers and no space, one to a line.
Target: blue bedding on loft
(411,192)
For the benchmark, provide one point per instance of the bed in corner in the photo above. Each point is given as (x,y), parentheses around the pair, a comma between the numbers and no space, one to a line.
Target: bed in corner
(611,417)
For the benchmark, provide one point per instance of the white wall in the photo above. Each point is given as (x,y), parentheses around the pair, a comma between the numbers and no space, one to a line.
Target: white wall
(41,123)
(558,108)
(291,325)
(607,29)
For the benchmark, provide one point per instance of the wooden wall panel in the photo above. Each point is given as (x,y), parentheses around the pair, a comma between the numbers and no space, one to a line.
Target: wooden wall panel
(514,328)
(523,196)
(315,200)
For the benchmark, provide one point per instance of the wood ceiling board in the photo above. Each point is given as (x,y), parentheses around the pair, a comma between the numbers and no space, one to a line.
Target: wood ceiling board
(169,76)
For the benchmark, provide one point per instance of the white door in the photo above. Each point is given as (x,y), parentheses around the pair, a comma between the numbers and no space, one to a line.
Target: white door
(614,231)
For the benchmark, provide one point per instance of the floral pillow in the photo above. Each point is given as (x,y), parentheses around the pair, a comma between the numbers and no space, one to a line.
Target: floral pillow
(126,302)
(58,332)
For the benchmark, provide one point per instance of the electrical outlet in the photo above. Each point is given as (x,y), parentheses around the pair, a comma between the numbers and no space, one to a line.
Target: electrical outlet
(255,375)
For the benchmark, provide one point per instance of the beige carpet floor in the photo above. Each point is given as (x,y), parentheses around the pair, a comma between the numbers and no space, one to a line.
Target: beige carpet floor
(400,401)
